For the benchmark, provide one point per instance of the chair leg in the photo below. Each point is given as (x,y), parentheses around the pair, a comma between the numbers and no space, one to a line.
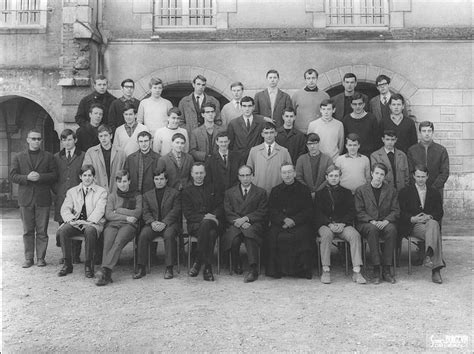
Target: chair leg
(231,269)
(409,255)
(149,259)
(347,258)
(364,260)
(259,262)
(395,261)
(318,256)
(218,256)
(189,252)
(177,253)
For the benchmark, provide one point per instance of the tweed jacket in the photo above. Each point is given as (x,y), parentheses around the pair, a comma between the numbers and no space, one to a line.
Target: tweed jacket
(254,206)
(33,192)
(170,207)
(304,172)
(149,166)
(410,205)
(95,158)
(191,117)
(339,104)
(199,143)
(367,208)
(264,108)
(68,177)
(401,166)
(96,200)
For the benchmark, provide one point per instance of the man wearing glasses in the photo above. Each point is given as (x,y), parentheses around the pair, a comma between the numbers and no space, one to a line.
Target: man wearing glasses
(379,104)
(202,141)
(35,172)
(116,107)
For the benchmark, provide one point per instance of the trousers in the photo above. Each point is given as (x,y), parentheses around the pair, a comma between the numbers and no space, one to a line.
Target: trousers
(251,246)
(66,231)
(35,230)
(348,234)
(116,238)
(373,236)
(147,235)
(431,233)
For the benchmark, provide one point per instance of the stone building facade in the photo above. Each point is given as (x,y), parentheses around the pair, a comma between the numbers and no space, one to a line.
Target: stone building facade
(46,65)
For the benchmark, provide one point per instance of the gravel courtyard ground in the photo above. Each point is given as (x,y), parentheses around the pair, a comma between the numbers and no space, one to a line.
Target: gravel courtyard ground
(44,313)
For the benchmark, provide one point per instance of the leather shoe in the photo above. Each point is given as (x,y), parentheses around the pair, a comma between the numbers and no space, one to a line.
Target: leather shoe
(388,278)
(28,263)
(207,274)
(61,261)
(169,273)
(428,262)
(41,263)
(326,278)
(141,272)
(65,270)
(88,272)
(101,278)
(251,277)
(376,279)
(436,276)
(194,271)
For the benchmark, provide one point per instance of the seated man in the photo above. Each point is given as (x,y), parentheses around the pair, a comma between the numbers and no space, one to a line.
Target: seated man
(245,207)
(421,211)
(83,214)
(335,213)
(203,210)
(123,210)
(310,167)
(290,237)
(377,213)
(162,217)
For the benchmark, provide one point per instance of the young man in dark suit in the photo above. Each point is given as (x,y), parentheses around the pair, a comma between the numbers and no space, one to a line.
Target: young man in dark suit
(162,217)
(272,101)
(204,213)
(35,172)
(342,101)
(246,213)
(421,212)
(377,213)
(202,139)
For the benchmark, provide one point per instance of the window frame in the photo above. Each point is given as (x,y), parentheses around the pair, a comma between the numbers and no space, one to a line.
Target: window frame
(185,16)
(15,10)
(356,17)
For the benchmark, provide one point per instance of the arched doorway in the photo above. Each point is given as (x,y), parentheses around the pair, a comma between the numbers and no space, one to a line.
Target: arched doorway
(17,116)
(364,87)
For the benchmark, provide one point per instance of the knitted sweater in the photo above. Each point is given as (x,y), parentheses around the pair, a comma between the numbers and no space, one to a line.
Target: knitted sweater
(153,113)
(331,134)
(306,105)
(162,140)
(129,144)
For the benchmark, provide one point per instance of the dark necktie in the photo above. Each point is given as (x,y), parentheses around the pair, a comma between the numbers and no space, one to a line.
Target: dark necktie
(269,150)
(197,101)
(225,159)
(69,156)
(140,172)
(247,123)
(384,101)
(245,193)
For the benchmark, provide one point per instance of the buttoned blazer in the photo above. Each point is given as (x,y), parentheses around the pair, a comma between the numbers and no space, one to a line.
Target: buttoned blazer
(304,172)
(401,165)
(220,175)
(254,206)
(294,141)
(170,207)
(96,201)
(436,159)
(367,208)
(410,205)
(178,178)
(68,177)
(263,105)
(242,140)
(188,110)
(339,104)
(33,192)
(149,166)
(95,158)
(199,142)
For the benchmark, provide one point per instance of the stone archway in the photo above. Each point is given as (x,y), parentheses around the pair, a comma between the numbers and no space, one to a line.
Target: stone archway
(367,73)
(185,74)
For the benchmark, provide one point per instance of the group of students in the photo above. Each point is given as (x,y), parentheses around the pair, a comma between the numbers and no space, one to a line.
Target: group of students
(247,178)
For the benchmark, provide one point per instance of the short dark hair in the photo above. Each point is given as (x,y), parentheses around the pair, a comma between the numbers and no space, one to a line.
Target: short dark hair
(99,77)
(396,97)
(67,132)
(235,84)
(289,110)
(272,71)
(380,165)
(309,72)
(160,171)
(143,134)
(326,102)
(155,81)
(247,99)
(222,134)
(245,166)
(199,77)
(208,105)
(390,132)
(349,76)
(104,128)
(178,136)
(353,137)
(286,163)
(129,105)
(333,168)
(269,125)
(198,163)
(381,78)
(34,130)
(426,124)
(174,110)
(96,105)
(312,138)
(421,168)
(357,96)
(86,168)
(122,173)
(122,84)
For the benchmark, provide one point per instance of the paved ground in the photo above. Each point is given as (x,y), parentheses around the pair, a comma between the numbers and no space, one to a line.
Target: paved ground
(44,313)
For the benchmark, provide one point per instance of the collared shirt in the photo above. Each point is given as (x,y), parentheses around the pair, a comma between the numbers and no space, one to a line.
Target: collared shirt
(421,194)
(272,93)
(250,119)
(352,157)
(385,97)
(70,152)
(125,99)
(236,104)
(130,129)
(201,99)
(271,146)
(226,156)
(396,120)
(247,188)
(387,151)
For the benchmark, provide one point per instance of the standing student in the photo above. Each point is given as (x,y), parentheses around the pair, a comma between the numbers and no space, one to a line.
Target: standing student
(126,134)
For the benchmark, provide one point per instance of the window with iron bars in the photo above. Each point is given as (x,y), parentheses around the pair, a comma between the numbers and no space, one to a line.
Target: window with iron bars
(184,13)
(360,13)
(22,13)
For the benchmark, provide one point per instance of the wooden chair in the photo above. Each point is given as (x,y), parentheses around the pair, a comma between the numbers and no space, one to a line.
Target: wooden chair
(336,242)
